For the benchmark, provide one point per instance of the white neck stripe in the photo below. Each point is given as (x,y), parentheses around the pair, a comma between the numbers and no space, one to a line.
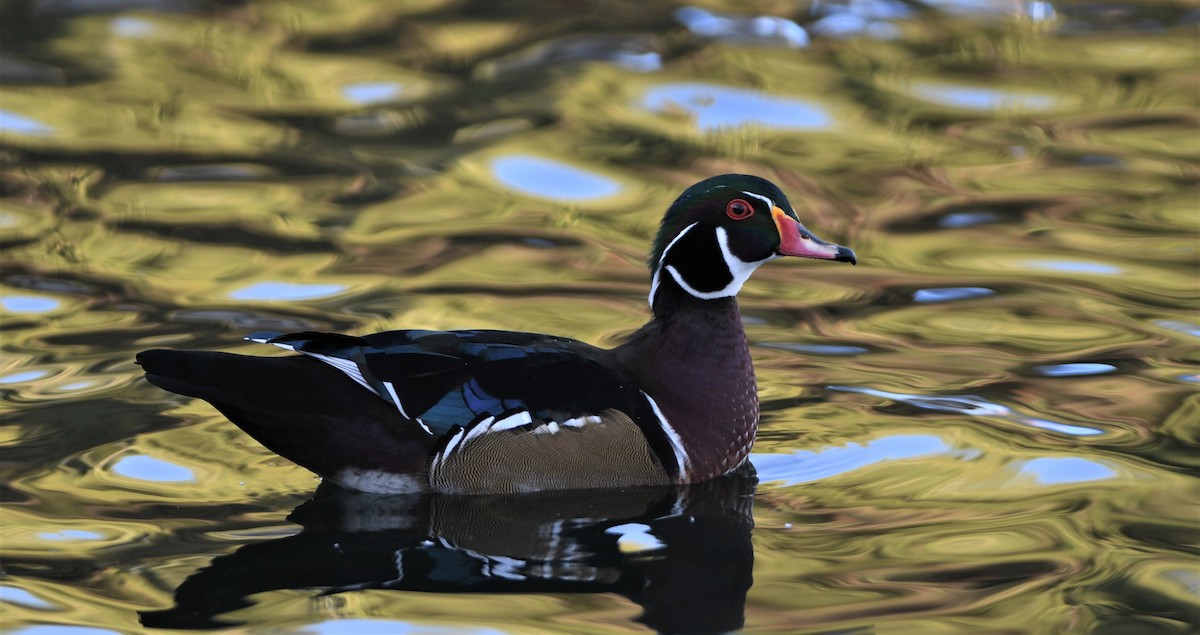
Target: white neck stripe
(762,198)
(739,270)
(657,270)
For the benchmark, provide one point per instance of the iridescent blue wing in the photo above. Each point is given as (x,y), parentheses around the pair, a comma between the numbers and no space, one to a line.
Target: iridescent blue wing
(441,379)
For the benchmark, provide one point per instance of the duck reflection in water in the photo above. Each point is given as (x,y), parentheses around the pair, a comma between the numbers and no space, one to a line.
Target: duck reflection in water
(681,552)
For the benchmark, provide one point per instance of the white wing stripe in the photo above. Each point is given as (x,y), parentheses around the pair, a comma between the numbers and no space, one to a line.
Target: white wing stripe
(346,366)
(515,420)
(423,426)
(395,399)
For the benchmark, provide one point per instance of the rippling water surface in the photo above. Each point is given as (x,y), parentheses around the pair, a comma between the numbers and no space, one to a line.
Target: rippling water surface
(991,425)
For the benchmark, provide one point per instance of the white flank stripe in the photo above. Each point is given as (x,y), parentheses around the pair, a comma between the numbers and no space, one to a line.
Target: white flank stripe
(396,399)
(454,441)
(512,421)
(449,448)
(676,443)
(762,198)
(654,280)
(484,426)
(423,426)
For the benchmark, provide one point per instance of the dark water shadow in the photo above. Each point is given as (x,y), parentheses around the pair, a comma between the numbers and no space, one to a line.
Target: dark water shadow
(682,553)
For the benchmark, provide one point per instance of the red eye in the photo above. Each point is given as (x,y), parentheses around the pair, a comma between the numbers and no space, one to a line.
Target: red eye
(737,209)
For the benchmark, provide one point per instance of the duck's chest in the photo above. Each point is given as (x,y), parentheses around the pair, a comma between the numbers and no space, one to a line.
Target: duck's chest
(706,390)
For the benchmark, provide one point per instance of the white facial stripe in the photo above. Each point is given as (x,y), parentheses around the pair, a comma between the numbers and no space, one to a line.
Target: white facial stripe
(654,280)
(681,456)
(762,198)
(739,269)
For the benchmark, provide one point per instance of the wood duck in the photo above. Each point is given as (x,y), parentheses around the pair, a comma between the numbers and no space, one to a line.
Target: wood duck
(472,412)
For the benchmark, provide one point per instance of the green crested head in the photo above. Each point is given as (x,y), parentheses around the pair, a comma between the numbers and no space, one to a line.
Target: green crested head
(707,201)
(721,229)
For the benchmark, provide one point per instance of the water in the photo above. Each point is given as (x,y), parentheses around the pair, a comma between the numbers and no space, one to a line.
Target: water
(990,425)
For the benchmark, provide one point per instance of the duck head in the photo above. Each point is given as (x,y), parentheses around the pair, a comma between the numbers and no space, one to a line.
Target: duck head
(721,229)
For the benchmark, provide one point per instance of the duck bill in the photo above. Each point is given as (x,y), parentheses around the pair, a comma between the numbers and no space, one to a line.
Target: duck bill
(796,240)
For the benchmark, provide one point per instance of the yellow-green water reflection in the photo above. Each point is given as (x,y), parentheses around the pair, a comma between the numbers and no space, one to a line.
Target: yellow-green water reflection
(990,425)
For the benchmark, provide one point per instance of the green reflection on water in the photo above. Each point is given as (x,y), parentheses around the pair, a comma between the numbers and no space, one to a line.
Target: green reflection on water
(182,179)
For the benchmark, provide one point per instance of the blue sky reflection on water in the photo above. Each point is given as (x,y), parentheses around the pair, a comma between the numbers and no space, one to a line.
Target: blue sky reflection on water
(958,220)
(803,466)
(23,376)
(1075,370)
(947,294)
(551,179)
(371,92)
(130,27)
(761,30)
(56,629)
(983,99)
(836,350)
(1066,470)
(1075,266)
(1077,431)
(715,106)
(974,406)
(148,468)
(285,291)
(29,304)
(70,534)
(13,122)
(14,595)
(1187,328)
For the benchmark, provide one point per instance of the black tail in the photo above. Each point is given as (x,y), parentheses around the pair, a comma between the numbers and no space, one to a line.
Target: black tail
(298,407)
(225,378)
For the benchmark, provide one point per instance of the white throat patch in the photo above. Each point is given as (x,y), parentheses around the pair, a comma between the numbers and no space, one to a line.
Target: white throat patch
(739,270)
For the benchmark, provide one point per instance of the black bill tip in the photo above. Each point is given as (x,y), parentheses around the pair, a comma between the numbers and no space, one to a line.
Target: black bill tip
(846,254)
